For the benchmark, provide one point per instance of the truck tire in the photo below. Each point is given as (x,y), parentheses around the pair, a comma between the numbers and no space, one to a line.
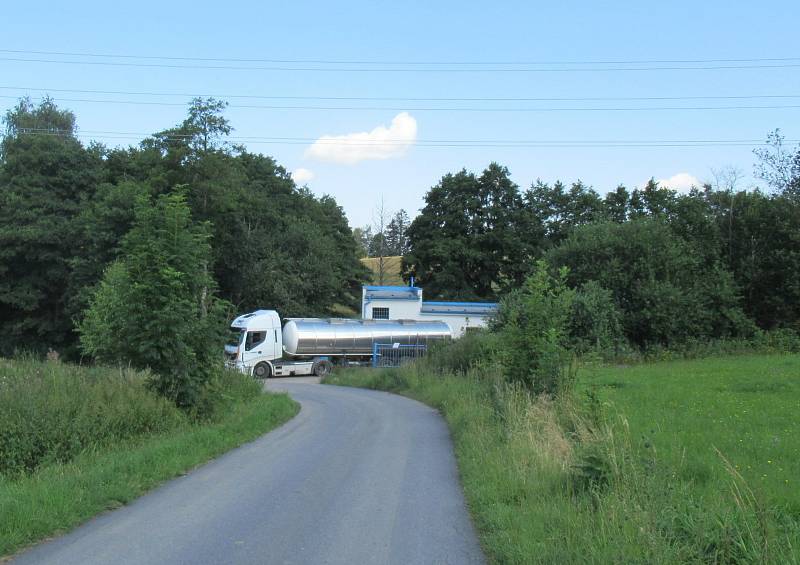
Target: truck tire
(262,371)
(322,368)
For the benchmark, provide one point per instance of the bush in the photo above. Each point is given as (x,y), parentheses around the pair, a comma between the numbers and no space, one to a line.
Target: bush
(224,388)
(596,322)
(532,332)
(458,356)
(52,411)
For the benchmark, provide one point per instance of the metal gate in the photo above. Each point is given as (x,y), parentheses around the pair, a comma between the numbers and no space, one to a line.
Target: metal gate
(395,354)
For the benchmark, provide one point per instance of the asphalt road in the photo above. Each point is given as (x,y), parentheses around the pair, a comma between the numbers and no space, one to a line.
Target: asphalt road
(357,477)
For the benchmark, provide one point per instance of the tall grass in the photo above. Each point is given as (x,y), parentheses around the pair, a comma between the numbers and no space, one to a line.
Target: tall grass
(567,480)
(50,412)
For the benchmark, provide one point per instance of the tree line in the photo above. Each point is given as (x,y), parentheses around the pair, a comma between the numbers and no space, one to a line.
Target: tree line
(112,252)
(651,267)
(162,238)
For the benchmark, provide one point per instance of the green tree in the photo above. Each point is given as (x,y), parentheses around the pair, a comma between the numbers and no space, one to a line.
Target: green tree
(470,240)
(362,236)
(397,234)
(652,200)
(559,210)
(156,306)
(666,290)
(760,237)
(45,177)
(273,245)
(99,229)
(779,166)
(617,204)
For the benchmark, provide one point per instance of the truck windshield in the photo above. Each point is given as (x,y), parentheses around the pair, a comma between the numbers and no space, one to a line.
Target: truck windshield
(235,337)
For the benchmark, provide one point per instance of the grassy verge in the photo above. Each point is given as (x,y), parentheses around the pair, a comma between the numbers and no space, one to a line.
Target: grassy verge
(676,462)
(61,492)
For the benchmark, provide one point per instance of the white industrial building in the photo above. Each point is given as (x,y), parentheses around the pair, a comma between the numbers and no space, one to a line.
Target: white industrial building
(405,303)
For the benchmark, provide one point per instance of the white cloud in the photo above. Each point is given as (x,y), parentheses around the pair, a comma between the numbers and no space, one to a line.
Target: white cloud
(302,176)
(681,182)
(380,143)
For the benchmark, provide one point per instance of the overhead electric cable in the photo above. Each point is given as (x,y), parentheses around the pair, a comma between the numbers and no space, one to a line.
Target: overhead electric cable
(703,67)
(440,109)
(422,142)
(409,99)
(401,62)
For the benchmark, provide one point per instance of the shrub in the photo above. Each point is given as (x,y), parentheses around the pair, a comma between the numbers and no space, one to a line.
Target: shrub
(532,332)
(225,388)
(596,322)
(458,356)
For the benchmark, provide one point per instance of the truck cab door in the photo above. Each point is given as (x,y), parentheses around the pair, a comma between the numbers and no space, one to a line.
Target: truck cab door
(255,344)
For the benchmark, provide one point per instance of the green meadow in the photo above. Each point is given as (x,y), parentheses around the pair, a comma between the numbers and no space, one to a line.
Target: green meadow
(696,414)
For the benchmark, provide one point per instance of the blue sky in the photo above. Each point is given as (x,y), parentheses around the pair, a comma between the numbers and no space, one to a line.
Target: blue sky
(426,32)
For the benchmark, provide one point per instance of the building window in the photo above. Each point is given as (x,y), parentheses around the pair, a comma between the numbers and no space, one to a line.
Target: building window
(380,313)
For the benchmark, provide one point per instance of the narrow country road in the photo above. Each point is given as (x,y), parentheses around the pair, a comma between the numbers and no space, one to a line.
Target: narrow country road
(357,477)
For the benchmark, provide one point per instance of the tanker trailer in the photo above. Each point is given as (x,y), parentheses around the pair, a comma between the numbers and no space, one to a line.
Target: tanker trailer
(312,346)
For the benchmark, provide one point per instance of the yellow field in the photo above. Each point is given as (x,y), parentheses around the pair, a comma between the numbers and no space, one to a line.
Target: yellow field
(392,270)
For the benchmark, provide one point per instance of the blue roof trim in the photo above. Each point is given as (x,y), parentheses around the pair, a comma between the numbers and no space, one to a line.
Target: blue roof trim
(409,298)
(456,313)
(479,304)
(393,288)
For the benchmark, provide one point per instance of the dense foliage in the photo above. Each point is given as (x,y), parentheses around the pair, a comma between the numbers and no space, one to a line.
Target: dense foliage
(65,210)
(652,267)
(532,328)
(472,239)
(156,306)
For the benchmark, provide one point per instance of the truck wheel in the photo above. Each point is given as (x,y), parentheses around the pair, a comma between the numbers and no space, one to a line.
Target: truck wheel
(262,371)
(322,369)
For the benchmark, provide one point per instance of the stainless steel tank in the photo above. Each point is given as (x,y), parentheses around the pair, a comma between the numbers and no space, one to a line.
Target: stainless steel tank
(316,336)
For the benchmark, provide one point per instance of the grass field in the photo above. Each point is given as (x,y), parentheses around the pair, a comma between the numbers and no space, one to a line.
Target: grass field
(630,469)
(77,442)
(692,413)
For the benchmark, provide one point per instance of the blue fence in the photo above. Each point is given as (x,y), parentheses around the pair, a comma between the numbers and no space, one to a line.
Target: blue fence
(395,354)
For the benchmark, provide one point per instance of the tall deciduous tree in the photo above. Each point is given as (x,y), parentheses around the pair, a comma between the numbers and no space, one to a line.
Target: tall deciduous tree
(45,175)
(779,166)
(470,239)
(156,306)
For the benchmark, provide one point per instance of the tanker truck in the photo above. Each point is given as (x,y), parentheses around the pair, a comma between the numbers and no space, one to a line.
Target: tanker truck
(259,346)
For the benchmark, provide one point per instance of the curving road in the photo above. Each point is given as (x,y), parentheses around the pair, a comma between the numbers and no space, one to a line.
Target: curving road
(357,477)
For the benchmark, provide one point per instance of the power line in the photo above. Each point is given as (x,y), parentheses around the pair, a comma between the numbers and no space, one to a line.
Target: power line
(543,144)
(703,67)
(395,62)
(440,109)
(411,99)
(176,136)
